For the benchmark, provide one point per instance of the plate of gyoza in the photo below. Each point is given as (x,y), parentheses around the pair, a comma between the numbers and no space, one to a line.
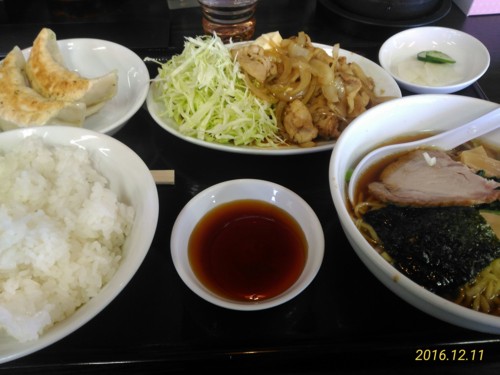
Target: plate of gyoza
(90,83)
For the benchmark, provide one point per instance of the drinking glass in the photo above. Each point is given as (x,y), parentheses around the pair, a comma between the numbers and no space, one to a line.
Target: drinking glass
(229,19)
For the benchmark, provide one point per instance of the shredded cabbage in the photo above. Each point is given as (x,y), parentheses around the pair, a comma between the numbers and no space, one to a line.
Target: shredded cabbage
(204,92)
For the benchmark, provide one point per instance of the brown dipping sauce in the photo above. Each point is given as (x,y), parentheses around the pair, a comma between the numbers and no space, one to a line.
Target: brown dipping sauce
(247,250)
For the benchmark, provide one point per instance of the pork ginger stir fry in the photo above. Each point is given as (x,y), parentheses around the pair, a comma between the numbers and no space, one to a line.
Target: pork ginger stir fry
(315,95)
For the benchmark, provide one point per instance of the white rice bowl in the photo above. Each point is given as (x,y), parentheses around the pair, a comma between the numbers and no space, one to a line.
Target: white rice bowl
(72,204)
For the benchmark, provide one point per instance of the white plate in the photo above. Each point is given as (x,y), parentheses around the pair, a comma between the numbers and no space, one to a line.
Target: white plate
(385,85)
(130,178)
(95,57)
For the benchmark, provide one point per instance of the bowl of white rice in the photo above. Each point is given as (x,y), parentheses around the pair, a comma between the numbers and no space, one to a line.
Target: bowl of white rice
(78,213)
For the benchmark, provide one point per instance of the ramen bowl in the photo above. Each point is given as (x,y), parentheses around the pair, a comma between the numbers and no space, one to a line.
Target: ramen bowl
(245,256)
(393,119)
(398,56)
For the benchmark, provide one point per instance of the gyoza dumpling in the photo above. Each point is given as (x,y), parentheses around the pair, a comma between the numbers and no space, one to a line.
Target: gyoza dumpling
(49,75)
(21,106)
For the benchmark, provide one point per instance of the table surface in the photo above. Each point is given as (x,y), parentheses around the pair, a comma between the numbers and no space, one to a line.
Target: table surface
(346,321)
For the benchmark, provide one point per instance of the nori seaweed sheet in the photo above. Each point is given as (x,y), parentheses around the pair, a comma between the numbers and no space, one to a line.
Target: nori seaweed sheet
(440,248)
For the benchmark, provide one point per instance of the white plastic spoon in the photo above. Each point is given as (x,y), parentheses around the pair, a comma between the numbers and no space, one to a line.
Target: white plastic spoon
(444,141)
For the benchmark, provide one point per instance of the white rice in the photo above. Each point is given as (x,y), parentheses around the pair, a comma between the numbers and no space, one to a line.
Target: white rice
(61,234)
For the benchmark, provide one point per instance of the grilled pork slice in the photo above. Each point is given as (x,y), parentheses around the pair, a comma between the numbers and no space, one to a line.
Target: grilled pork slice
(432,178)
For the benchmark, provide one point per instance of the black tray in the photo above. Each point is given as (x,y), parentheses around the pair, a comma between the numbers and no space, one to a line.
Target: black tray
(345,320)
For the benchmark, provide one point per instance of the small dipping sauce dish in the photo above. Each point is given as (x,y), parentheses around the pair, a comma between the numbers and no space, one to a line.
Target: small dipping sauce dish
(247,244)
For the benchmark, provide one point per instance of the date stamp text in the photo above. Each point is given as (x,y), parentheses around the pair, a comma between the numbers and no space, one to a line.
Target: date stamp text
(443,355)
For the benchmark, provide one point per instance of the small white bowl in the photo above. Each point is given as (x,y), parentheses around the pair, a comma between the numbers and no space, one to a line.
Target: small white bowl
(233,190)
(398,117)
(133,183)
(398,56)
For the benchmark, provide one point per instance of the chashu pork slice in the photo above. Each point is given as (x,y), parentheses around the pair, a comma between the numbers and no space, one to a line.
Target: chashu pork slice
(48,74)
(414,180)
(21,106)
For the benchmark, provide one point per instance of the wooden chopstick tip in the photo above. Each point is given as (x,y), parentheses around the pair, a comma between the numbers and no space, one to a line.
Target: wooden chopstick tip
(163,176)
